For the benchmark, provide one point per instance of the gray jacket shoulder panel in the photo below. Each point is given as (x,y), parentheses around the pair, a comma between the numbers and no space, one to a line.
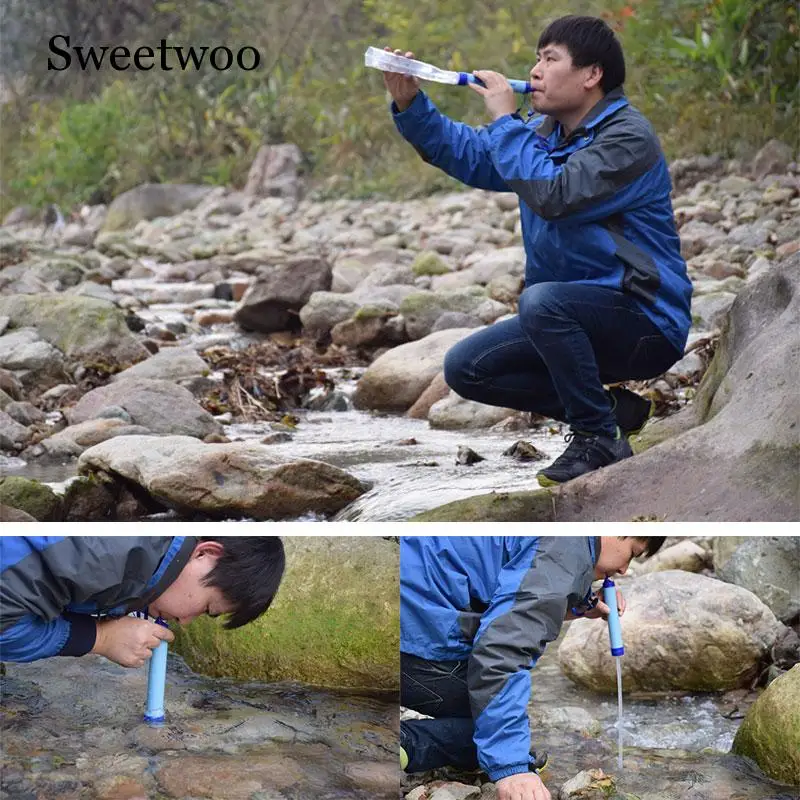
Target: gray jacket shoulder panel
(624,148)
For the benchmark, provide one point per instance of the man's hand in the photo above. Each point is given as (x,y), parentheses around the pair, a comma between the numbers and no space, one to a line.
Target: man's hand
(601,610)
(402,88)
(129,641)
(524,786)
(496,93)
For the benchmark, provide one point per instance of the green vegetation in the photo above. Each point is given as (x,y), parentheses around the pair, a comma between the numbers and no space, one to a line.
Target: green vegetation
(712,75)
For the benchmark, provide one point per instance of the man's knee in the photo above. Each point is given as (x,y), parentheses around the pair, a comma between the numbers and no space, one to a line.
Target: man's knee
(540,300)
(456,366)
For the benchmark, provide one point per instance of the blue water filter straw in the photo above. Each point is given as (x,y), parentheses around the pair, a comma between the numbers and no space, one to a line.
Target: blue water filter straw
(156,683)
(614,627)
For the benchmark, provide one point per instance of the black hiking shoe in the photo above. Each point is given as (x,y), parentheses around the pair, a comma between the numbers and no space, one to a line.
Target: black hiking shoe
(586,453)
(631,410)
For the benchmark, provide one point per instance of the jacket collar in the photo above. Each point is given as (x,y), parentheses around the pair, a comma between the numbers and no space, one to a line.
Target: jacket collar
(604,108)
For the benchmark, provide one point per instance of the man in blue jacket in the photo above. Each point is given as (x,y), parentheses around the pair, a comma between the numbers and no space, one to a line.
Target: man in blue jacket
(69,596)
(476,613)
(607,295)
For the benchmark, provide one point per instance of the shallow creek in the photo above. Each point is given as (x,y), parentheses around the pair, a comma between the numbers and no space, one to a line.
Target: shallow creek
(73,730)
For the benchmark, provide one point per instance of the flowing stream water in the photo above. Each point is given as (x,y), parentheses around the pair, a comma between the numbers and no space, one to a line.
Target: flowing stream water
(73,730)
(675,747)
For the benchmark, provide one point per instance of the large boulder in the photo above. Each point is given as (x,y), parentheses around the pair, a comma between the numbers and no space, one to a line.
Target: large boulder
(769,567)
(160,406)
(273,301)
(770,733)
(241,479)
(395,380)
(732,454)
(681,632)
(336,591)
(151,200)
(77,326)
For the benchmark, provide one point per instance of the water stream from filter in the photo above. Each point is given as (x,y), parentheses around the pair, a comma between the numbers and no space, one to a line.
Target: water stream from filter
(618,659)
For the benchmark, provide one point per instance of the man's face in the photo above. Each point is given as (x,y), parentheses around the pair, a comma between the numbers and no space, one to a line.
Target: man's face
(616,554)
(188,597)
(558,86)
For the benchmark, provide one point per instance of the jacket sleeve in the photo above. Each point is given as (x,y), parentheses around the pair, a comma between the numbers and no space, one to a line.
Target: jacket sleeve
(595,182)
(526,612)
(32,638)
(458,149)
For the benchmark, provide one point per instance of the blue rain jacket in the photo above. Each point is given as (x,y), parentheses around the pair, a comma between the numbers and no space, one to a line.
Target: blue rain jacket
(495,602)
(595,206)
(52,587)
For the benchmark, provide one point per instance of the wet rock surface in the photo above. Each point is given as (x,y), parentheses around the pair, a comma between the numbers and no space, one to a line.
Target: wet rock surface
(72,728)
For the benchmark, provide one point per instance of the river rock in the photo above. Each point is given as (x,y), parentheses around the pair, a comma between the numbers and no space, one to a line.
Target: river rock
(770,733)
(21,215)
(456,413)
(421,309)
(24,351)
(772,159)
(173,364)
(437,390)
(10,384)
(10,514)
(273,301)
(395,380)
(682,632)
(30,496)
(13,436)
(456,791)
(222,480)
(274,172)
(686,555)
(370,326)
(324,593)
(724,547)
(73,440)
(324,310)
(769,567)
(78,326)
(160,406)
(151,200)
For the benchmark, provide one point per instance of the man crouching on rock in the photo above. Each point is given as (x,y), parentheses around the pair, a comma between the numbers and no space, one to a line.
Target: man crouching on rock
(69,596)
(607,294)
(476,613)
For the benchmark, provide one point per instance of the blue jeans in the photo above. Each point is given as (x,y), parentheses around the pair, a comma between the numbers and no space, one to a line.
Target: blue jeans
(554,357)
(438,689)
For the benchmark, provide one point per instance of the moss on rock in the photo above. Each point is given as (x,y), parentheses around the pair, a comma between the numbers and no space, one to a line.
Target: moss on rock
(536,506)
(32,497)
(770,733)
(429,263)
(335,621)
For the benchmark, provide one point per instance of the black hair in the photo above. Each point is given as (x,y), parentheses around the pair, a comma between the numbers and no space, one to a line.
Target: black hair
(589,41)
(248,574)
(653,543)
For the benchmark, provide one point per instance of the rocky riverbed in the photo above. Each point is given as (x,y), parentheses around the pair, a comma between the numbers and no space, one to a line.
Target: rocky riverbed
(210,353)
(72,728)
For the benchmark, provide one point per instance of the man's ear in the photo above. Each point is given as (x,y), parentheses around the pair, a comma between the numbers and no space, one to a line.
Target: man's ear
(212,549)
(594,75)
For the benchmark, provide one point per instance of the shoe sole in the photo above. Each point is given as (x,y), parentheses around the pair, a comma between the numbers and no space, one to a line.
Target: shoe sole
(546,482)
